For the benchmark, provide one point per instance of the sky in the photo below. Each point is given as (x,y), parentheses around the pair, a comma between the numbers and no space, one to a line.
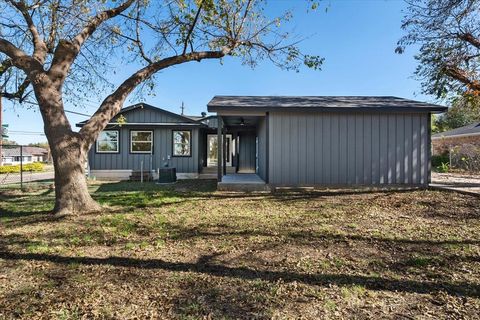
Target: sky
(357,39)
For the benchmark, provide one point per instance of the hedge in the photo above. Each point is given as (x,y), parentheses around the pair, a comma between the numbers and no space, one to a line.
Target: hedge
(30,167)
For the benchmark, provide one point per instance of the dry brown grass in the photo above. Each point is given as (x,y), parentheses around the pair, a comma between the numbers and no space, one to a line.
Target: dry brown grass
(190,252)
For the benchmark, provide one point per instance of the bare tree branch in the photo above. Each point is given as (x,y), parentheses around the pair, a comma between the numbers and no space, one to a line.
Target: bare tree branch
(40,48)
(192,27)
(113,103)
(66,51)
(19,58)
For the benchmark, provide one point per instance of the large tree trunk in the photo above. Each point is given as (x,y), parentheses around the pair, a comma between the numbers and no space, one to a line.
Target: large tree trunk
(71,190)
(68,150)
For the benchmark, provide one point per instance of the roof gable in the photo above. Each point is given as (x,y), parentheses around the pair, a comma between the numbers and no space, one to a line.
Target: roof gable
(142,112)
(145,113)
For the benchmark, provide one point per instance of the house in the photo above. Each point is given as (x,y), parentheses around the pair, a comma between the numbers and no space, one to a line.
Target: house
(266,142)
(443,142)
(38,154)
(14,156)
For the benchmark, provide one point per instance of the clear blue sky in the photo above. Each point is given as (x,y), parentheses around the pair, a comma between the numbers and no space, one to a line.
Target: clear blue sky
(357,39)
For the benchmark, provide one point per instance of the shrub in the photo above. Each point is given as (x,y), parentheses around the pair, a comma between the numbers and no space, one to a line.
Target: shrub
(466,157)
(29,167)
(438,160)
(444,167)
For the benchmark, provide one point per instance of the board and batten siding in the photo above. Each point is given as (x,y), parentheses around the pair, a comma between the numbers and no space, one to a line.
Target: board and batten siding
(262,147)
(162,148)
(335,149)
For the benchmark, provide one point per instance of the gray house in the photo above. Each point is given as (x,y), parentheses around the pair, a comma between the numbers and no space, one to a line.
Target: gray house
(276,141)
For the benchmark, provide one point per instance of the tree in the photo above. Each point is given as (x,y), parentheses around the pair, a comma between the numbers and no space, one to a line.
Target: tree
(464,110)
(63,50)
(448,32)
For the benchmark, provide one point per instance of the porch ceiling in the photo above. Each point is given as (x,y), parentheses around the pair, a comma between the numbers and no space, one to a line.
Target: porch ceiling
(248,121)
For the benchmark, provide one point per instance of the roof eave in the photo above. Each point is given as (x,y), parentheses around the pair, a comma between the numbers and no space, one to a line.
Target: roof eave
(433,109)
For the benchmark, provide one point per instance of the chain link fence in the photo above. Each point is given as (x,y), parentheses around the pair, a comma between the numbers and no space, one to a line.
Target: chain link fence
(21,166)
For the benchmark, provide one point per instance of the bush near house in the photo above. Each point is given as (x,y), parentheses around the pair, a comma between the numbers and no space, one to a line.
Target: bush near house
(466,157)
(30,167)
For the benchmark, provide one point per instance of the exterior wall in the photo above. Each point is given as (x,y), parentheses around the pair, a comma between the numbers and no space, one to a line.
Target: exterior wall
(162,149)
(247,152)
(335,149)
(262,148)
(15,160)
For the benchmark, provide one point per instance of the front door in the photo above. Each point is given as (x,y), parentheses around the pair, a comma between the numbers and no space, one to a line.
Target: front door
(212,150)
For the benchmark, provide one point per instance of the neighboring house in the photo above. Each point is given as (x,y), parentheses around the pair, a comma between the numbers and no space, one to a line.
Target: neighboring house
(443,142)
(13,156)
(280,141)
(38,154)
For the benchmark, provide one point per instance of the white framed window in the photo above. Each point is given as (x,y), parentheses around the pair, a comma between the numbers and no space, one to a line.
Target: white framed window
(182,143)
(107,142)
(141,141)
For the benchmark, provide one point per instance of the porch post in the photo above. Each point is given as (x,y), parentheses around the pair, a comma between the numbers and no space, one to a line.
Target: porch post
(224,141)
(219,149)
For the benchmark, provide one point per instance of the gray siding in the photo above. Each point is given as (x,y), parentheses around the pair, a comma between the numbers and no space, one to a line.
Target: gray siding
(262,147)
(162,148)
(149,115)
(348,149)
(162,144)
(247,152)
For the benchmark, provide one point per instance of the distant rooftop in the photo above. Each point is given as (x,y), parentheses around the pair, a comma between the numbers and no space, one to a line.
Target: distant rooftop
(14,152)
(472,129)
(334,103)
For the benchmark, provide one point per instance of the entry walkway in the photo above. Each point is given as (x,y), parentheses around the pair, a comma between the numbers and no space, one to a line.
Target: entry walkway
(242,182)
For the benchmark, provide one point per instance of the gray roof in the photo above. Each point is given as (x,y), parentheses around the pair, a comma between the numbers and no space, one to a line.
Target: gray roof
(13,152)
(333,103)
(472,129)
(36,151)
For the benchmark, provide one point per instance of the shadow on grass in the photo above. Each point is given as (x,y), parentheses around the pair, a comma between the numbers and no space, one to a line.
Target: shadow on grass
(203,266)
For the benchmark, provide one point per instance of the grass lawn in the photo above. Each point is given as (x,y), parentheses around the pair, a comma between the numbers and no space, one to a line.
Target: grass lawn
(190,252)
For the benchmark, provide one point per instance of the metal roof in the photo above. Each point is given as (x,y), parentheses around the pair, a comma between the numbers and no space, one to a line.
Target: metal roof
(326,103)
(472,129)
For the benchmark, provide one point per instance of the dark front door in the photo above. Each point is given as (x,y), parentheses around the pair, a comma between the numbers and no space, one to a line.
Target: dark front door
(247,152)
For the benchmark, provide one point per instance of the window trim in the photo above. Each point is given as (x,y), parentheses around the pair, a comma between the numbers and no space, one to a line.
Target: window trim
(118,143)
(151,142)
(190,144)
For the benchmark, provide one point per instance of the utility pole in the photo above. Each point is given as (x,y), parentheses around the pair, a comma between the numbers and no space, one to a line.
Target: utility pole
(182,108)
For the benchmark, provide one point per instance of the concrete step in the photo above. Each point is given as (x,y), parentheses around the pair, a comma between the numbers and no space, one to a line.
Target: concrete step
(247,187)
(214,170)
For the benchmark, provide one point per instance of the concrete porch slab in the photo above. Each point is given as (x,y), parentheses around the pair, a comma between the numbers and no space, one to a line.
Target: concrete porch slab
(242,182)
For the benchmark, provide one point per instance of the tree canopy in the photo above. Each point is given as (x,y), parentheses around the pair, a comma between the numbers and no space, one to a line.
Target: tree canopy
(448,33)
(464,110)
(88,37)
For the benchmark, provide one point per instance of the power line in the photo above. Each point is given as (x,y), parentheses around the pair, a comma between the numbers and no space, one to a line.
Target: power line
(78,113)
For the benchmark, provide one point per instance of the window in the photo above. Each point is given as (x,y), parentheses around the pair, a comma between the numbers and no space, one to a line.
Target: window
(141,141)
(107,142)
(181,143)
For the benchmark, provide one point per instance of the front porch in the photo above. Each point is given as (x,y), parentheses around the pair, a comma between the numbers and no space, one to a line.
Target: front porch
(241,144)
